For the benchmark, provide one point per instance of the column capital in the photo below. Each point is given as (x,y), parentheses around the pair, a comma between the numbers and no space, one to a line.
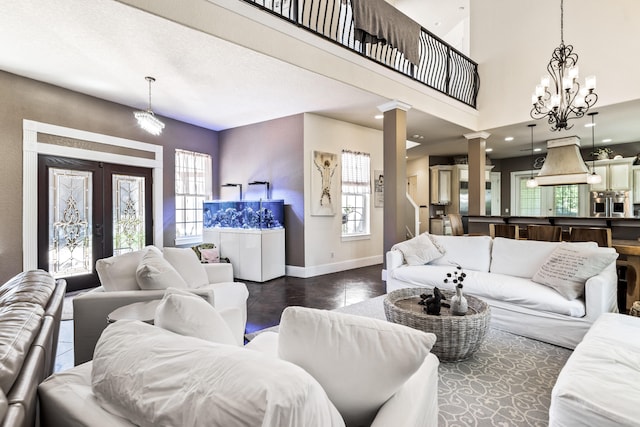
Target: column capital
(394,105)
(476,135)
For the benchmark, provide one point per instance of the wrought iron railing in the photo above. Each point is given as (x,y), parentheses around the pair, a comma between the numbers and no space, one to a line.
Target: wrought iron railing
(441,67)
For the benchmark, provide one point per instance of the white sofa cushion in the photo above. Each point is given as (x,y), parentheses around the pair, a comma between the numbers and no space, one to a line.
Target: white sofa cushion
(470,252)
(598,386)
(155,272)
(517,291)
(156,378)
(118,273)
(188,314)
(523,258)
(187,264)
(569,266)
(360,362)
(419,250)
(519,258)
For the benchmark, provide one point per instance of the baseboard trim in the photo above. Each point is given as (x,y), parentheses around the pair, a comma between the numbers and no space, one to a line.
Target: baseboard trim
(318,270)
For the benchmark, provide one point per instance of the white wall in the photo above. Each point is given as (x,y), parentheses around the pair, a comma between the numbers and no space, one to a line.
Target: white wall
(323,233)
(512,41)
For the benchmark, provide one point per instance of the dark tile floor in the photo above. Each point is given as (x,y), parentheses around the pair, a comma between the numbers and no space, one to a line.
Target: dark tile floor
(267,301)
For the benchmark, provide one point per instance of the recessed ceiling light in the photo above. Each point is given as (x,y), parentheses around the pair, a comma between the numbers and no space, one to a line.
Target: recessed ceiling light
(509,138)
(537,149)
(607,140)
(488,150)
(379,116)
(588,125)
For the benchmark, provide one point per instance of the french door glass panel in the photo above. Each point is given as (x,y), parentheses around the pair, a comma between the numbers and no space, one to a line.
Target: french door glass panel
(70,222)
(128,213)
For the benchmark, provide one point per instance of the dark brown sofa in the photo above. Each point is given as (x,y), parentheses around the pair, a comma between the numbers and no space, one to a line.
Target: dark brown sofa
(30,313)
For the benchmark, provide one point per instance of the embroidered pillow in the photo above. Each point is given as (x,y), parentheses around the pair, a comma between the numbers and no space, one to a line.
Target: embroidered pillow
(569,266)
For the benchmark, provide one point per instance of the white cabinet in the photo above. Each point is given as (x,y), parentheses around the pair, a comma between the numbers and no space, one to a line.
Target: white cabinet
(616,174)
(256,255)
(636,184)
(441,184)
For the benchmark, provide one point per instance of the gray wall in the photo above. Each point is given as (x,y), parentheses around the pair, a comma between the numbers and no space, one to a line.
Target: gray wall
(23,98)
(269,151)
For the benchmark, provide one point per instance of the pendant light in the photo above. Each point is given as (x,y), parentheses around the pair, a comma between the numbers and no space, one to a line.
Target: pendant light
(531,182)
(594,178)
(146,119)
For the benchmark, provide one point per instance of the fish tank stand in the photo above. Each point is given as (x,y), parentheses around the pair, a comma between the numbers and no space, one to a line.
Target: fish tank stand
(250,233)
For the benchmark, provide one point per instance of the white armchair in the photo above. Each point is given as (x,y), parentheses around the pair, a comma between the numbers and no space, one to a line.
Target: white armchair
(119,288)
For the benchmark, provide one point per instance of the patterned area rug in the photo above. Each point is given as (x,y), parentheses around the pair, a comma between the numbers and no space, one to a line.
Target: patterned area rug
(507,382)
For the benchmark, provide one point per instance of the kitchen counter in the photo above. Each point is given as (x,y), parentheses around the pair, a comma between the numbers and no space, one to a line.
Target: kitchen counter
(621,228)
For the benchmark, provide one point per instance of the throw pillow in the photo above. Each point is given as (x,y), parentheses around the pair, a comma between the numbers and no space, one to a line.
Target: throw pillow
(210,255)
(420,250)
(187,264)
(153,377)
(188,314)
(359,361)
(155,272)
(569,266)
(118,272)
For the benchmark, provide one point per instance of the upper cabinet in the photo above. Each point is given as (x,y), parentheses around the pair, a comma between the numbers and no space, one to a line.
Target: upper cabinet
(636,184)
(441,184)
(616,175)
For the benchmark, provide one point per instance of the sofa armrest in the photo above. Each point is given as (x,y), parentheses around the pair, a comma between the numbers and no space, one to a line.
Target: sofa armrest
(90,311)
(395,259)
(416,403)
(601,293)
(219,272)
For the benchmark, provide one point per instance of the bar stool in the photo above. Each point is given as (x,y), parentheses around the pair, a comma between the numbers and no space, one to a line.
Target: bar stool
(546,233)
(510,231)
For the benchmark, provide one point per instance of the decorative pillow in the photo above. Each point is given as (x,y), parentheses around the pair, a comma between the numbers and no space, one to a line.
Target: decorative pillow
(187,264)
(420,250)
(155,272)
(210,255)
(118,273)
(188,314)
(153,377)
(359,361)
(569,266)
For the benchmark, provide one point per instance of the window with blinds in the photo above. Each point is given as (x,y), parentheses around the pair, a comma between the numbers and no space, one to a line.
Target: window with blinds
(193,186)
(356,190)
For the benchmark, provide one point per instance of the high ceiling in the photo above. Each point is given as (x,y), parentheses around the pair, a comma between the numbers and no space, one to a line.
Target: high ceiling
(104,48)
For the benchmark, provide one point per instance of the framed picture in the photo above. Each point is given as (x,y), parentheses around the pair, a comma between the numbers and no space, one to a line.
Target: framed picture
(378,189)
(324,193)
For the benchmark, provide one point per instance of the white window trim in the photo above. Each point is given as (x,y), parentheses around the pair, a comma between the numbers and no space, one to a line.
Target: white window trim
(31,148)
(194,240)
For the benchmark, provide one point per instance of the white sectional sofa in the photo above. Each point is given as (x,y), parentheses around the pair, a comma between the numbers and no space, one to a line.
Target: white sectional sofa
(598,386)
(501,271)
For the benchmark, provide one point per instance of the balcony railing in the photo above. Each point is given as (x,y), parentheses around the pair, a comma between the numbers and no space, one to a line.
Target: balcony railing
(441,67)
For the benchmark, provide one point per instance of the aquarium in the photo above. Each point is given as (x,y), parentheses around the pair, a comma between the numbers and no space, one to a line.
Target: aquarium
(243,214)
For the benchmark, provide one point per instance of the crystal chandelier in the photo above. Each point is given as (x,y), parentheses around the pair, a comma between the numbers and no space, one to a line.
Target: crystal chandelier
(563,100)
(146,119)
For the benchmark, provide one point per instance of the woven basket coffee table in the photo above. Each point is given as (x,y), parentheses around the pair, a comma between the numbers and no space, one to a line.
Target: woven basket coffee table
(458,336)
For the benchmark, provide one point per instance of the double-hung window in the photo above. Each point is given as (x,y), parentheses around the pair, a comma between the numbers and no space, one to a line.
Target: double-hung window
(356,189)
(193,186)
